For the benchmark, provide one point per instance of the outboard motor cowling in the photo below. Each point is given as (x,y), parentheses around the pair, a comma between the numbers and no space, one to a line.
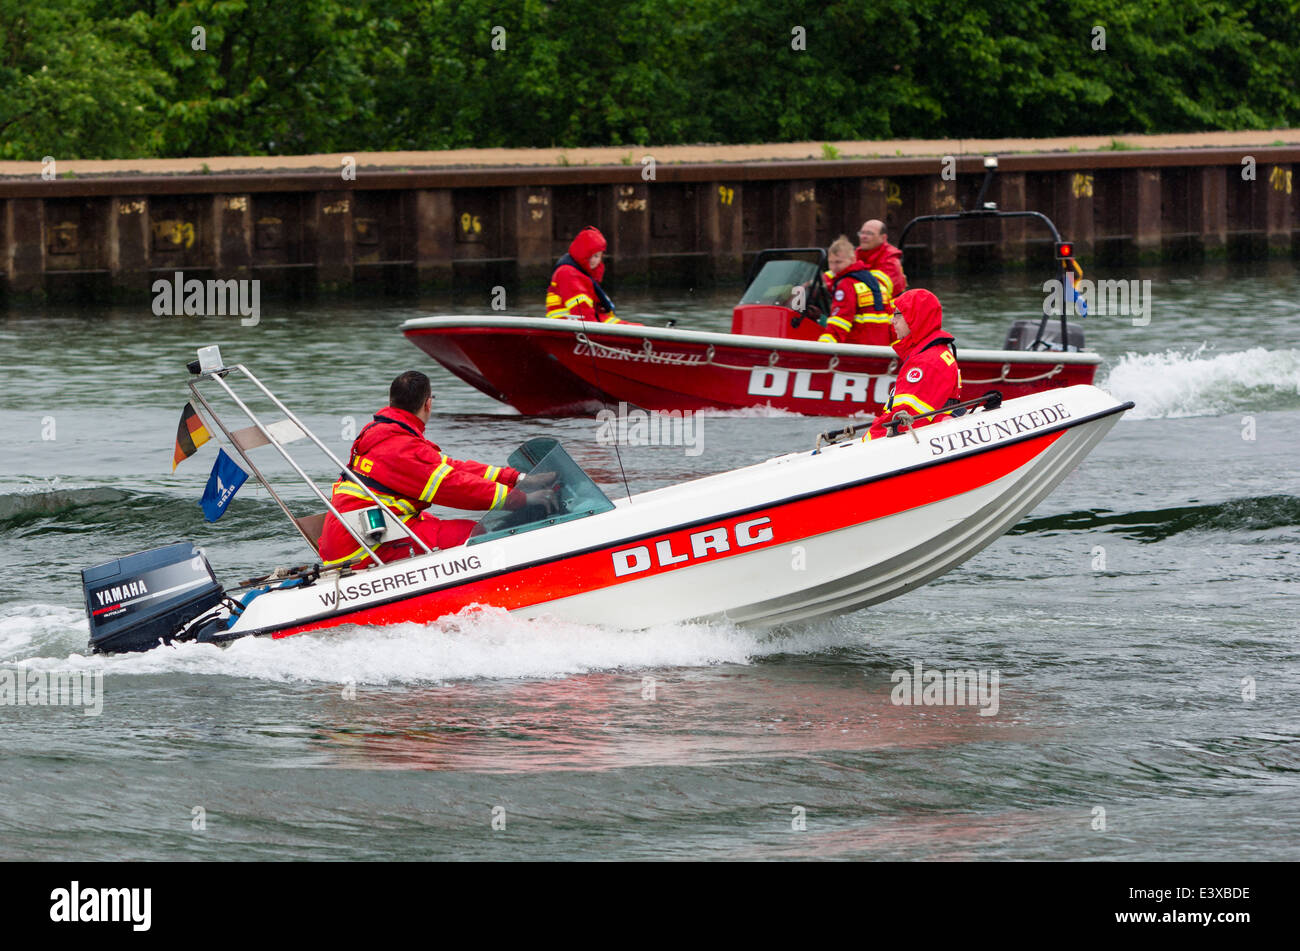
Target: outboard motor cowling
(143,600)
(1024,334)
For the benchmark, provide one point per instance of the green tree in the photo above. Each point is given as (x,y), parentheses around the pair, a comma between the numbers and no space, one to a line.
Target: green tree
(125,78)
(263,76)
(75,85)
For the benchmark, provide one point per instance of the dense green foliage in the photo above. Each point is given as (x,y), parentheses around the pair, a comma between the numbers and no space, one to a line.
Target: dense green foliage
(120,79)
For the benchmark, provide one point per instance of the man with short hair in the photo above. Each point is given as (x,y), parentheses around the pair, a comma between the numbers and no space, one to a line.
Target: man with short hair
(861,299)
(877,254)
(408,473)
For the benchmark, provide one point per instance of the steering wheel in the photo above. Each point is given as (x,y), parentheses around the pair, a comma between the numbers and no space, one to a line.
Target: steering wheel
(822,298)
(819,298)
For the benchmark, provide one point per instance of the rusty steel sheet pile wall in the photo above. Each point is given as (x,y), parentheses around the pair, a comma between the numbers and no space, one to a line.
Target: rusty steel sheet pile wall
(108,238)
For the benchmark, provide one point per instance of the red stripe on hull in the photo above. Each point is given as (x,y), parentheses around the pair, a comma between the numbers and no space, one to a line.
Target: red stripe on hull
(790,522)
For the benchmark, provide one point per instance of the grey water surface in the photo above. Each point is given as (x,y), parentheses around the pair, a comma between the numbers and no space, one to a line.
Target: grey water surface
(1142,622)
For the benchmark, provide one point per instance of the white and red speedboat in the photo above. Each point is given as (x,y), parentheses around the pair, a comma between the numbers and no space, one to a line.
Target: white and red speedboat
(821,531)
(771,357)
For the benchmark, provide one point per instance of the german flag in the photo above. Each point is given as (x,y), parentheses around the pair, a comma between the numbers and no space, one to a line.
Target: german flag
(190,434)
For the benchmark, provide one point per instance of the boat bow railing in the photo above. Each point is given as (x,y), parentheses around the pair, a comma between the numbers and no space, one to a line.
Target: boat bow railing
(904,421)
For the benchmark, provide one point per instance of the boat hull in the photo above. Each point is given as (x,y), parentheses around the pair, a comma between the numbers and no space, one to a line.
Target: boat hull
(870,521)
(569,367)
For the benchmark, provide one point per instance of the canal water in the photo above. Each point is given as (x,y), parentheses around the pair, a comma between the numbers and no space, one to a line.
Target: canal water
(1142,622)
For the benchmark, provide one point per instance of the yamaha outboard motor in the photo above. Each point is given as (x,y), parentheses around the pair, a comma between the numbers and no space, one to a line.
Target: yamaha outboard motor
(143,600)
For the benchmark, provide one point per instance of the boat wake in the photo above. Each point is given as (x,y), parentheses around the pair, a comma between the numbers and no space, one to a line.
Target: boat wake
(476,644)
(123,513)
(25,628)
(1249,514)
(1202,383)
(20,506)
(749,412)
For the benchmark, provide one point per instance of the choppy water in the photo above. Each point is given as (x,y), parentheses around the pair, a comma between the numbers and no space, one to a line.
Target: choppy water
(1143,622)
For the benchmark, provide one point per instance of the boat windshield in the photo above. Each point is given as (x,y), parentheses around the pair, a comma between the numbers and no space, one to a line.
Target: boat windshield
(776,281)
(544,460)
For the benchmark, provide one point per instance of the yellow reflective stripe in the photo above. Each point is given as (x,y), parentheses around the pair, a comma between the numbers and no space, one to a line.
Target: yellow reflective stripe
(578,299)
(435,480)
(827,338)
(499,498)
(553,300)
(839,322)
(403,506)
(872,318)
(611,319)
(558,313)
(352,489)
(886,291)
(913,402)
(339,561)
(492,473)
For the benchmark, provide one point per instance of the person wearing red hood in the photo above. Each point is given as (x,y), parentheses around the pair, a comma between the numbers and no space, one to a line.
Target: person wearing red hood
(575,289)
(877,254)
(929,377)
(409,473)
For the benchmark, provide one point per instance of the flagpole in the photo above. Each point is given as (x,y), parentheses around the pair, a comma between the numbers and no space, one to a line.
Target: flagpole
(262,479)
(406,529)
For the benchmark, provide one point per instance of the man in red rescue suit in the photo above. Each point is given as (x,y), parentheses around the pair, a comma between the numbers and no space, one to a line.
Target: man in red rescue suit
(409,473)
(862,300)
(575,289)
(877,254)
(928,378)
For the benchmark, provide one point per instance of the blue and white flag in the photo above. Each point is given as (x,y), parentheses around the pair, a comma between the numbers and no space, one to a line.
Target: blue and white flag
(223,483)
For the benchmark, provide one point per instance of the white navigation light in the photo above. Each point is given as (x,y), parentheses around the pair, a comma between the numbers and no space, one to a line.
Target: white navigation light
(210,359)
(991,161)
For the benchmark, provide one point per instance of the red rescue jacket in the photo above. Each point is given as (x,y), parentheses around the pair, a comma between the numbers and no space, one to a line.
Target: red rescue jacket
(886,258)
(572,291)
(929,376)
(409,473)
(855,317)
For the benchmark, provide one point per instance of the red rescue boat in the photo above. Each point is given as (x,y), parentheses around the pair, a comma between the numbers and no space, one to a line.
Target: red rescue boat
(771,358)
(543,366)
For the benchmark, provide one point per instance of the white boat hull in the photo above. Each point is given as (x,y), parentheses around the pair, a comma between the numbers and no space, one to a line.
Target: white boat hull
(797,537)
(898,553)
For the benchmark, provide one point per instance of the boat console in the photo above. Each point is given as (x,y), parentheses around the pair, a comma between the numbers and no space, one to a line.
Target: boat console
(578,496)
(785,297)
